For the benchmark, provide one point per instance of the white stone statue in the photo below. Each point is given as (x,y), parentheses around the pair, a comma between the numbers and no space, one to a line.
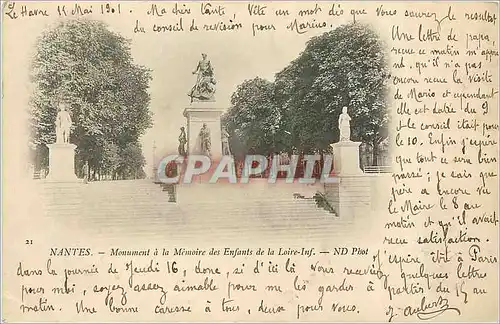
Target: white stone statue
(345,126)
(206,143)
(63,125)
(225,142)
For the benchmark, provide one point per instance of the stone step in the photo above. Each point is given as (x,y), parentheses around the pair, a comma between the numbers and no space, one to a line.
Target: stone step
(360,198)
(100,192)
(310,212)
(128,202)
(129,224)
(349,188)
(209,189)
(350,193)
(245,226)
(157,192)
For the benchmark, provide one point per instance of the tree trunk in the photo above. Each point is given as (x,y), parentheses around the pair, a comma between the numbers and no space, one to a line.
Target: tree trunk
(375,154)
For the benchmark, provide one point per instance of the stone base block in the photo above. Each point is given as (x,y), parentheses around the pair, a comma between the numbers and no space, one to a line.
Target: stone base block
(200,113)
(61,163)
(346,158)
(350,196)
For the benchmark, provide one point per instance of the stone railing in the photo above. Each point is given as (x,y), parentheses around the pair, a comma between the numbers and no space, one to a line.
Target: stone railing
(41,174)
(171,190)
(377,169)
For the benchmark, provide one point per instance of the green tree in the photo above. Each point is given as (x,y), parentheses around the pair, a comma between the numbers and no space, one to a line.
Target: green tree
(344,67)
(131,162)
(253,117)
(110,159)
(83,63)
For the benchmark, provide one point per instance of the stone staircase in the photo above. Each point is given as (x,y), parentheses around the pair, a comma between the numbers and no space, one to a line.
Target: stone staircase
(354,191)
(210,212)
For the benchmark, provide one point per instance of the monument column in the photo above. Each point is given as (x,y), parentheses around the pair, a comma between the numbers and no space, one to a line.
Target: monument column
(203,114)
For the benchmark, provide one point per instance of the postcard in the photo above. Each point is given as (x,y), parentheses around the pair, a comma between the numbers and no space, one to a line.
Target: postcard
(263,161)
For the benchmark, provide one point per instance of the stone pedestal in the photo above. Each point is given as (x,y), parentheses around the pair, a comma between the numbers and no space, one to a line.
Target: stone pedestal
(350,195)
(197,114)
(155,177)
(61,163)
(346,158)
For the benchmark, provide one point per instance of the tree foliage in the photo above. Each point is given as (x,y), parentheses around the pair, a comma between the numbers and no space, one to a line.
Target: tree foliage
(343,67)
(131,161)
(253,116)
(83,63)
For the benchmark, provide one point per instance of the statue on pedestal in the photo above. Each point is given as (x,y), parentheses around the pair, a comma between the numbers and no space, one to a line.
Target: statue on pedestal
(345,126)
(62,152)
(204,88)
(182,143)
(205,140)
(225,142)
(63,126)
